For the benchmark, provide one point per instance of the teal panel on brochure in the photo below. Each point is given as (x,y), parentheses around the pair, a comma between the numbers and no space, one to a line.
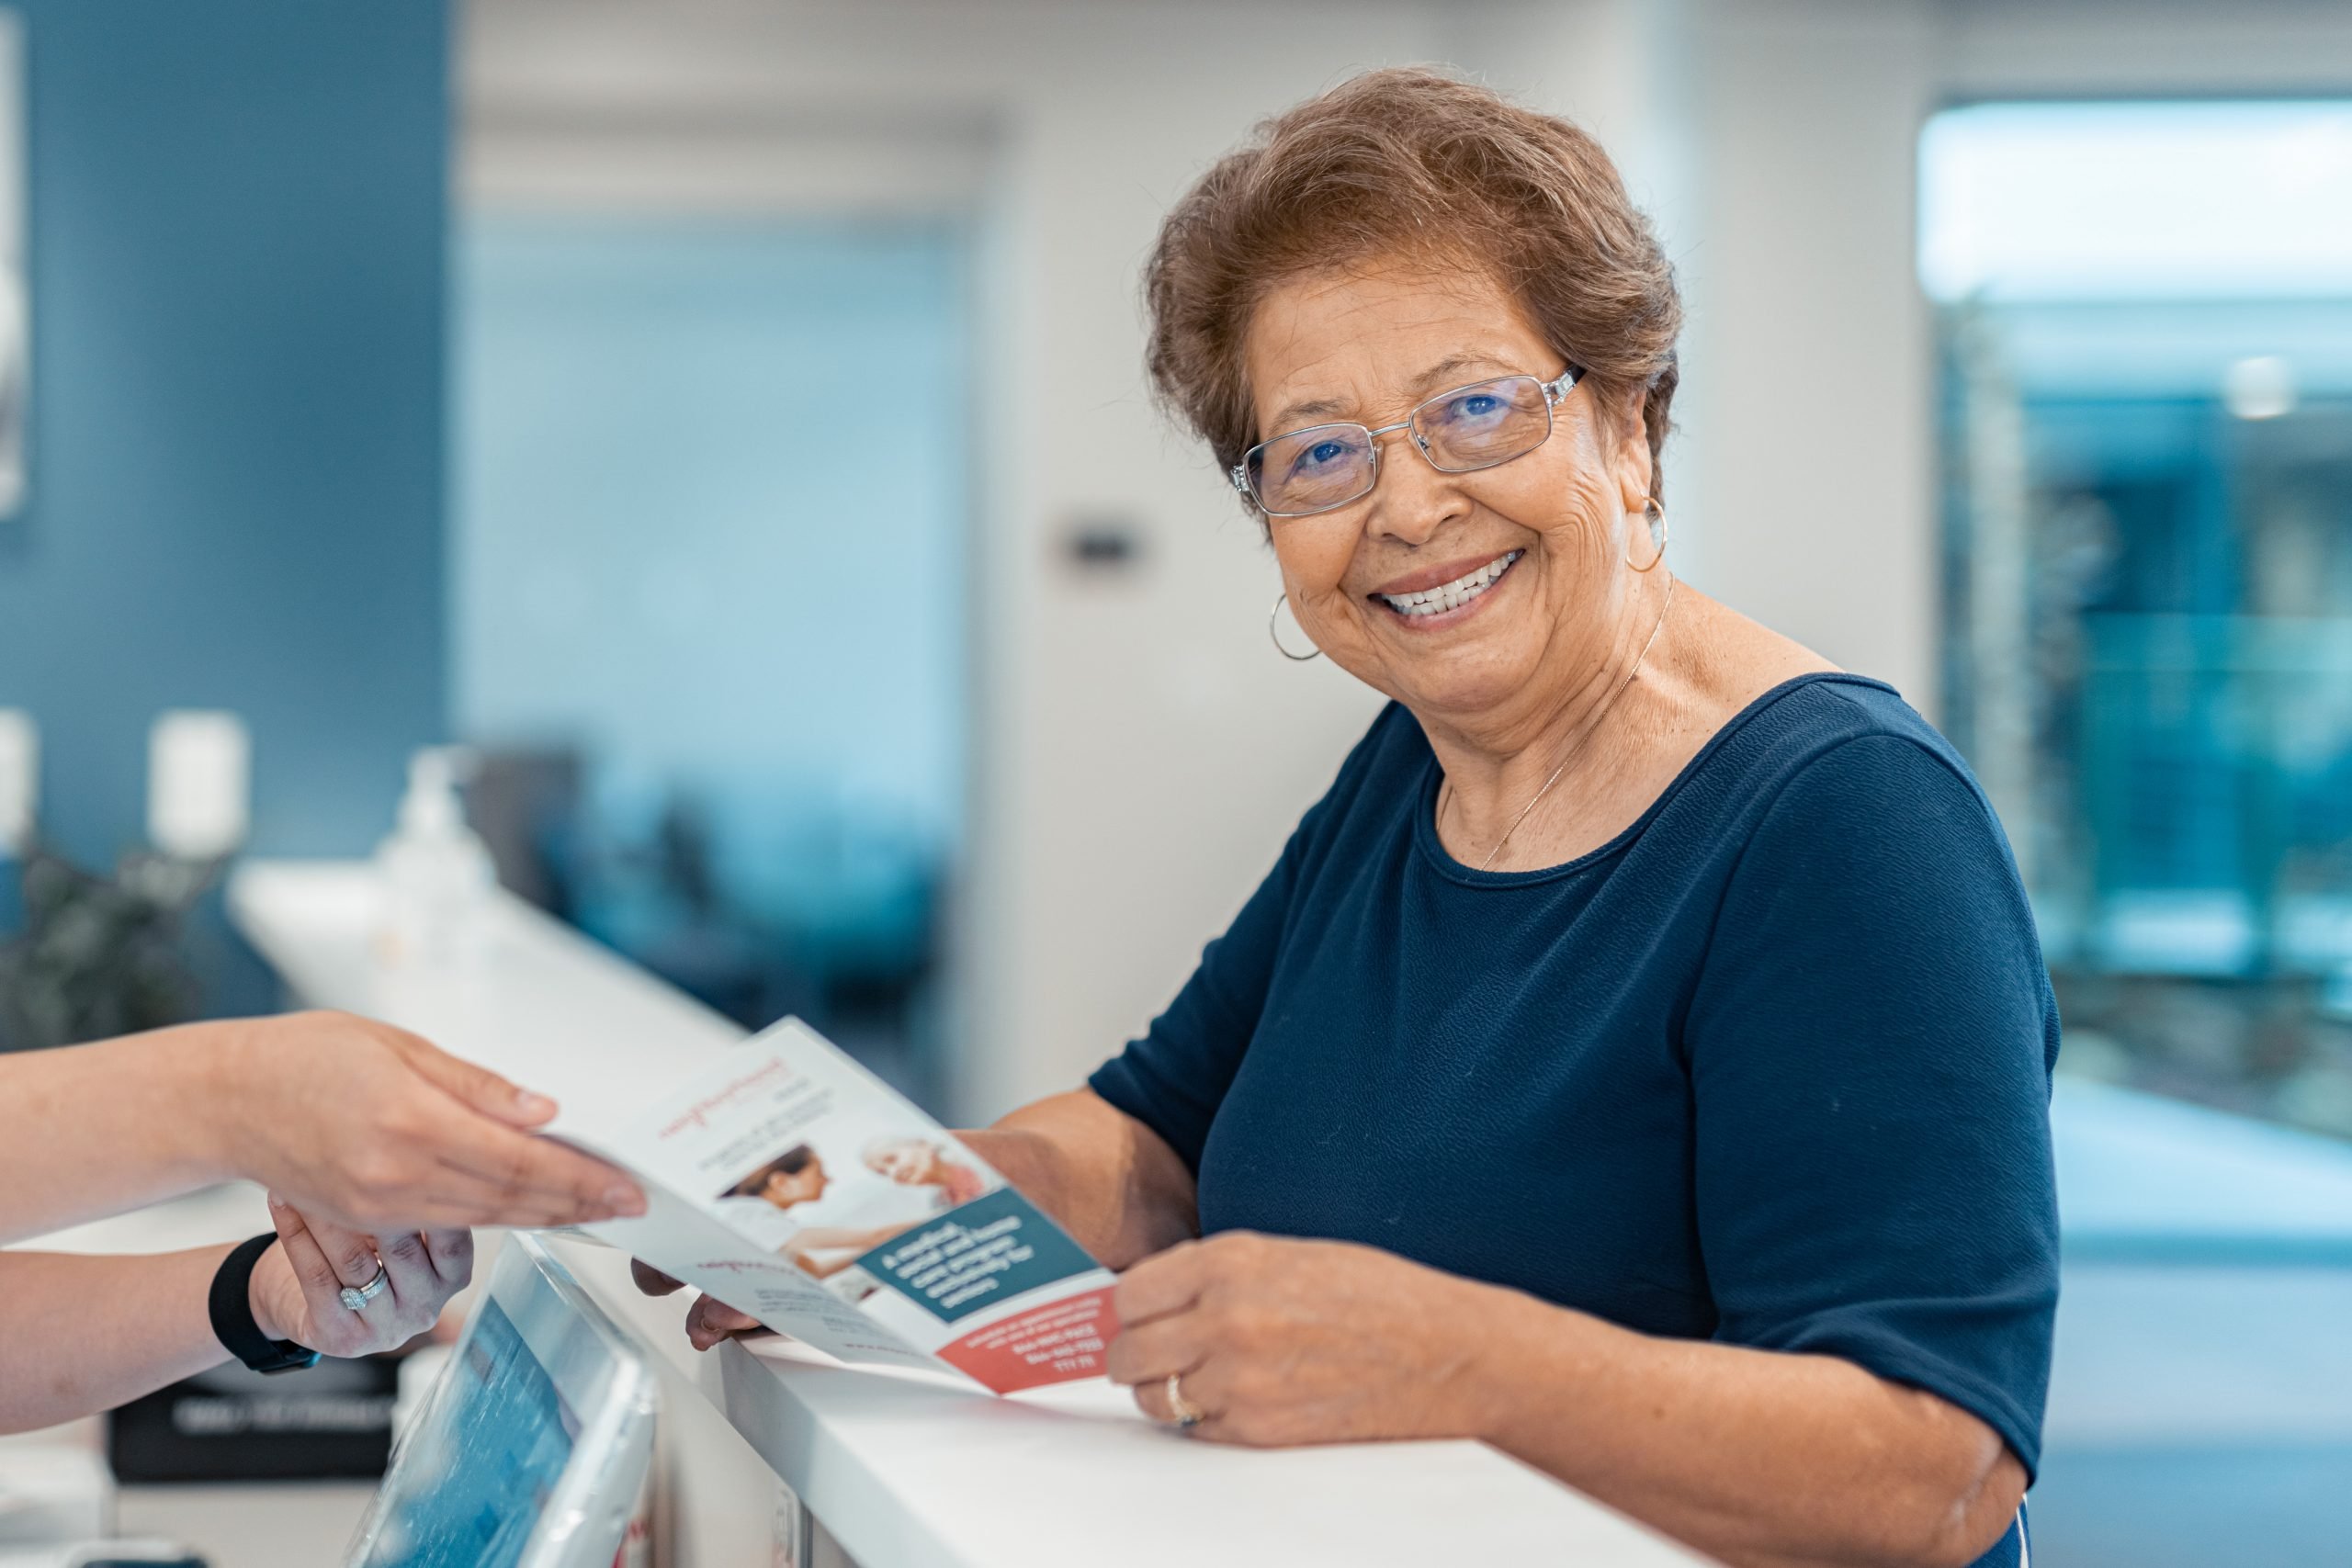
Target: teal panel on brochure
(977,1255)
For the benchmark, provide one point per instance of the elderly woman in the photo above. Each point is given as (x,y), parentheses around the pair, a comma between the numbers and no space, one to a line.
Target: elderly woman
(1639,1058)
(923,1162)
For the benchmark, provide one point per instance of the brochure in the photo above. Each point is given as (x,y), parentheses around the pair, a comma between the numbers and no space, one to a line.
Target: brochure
(794,1186)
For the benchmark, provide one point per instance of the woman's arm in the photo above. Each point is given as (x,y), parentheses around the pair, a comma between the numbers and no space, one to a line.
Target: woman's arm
(1764,1459)
(87,1333)
(1109,1180)
(1810,1459)
(354,1119)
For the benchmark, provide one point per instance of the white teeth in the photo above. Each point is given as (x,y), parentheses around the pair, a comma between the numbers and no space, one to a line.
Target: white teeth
(1450,595)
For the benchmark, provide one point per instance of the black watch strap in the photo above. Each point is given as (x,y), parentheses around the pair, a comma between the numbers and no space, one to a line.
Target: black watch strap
(232,1314)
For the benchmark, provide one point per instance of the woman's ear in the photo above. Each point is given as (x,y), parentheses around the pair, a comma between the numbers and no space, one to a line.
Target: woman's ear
(1630,454)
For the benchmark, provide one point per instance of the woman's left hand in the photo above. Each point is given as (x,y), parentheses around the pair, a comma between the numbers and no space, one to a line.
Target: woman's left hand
(297,1285)
(1281,1341)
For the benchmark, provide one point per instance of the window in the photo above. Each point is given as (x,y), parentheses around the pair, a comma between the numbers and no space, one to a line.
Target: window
(2145,321)
(709,579)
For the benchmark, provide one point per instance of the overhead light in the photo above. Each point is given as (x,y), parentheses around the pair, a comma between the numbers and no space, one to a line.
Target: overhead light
(2262,386)
(2153,200)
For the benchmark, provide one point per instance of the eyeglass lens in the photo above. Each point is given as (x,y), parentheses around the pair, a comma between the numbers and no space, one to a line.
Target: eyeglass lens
(1471,427)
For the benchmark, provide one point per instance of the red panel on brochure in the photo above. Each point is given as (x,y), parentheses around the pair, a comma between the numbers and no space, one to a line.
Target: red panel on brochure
(1058,1342)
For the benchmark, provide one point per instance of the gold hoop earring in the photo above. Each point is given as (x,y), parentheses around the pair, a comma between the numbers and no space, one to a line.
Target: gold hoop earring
(1659,534)
(1274,630)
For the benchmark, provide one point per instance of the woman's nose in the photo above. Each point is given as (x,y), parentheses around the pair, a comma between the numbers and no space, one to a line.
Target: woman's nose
(1413,499)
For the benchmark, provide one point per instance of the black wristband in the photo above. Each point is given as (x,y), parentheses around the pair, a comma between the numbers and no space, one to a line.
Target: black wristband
(232,1305)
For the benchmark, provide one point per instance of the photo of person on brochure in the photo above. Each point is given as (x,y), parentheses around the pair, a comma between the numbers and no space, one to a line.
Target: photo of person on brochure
(760,1205)
(924,1162)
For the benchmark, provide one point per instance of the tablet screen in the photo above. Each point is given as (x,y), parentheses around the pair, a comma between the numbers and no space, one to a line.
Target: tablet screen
(469,1486)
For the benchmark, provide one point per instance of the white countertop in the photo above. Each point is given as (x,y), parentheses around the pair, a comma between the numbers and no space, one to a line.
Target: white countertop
(909,1470)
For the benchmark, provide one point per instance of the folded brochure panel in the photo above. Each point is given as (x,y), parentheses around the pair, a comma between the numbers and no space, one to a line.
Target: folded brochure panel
(794,1186)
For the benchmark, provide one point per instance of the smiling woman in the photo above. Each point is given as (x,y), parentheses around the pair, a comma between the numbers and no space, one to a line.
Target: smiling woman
(1639,1059)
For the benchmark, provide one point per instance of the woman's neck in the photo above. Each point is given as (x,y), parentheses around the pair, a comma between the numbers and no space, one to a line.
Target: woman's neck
(1708,663)
(1520,786)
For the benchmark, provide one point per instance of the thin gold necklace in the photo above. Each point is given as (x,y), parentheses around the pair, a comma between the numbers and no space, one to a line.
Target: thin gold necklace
(1594,729)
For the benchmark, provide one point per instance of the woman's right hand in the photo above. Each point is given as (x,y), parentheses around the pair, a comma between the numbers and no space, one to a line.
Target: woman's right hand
(371,1128)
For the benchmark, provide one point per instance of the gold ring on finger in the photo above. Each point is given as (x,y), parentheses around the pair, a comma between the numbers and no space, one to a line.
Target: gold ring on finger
(1188,1414)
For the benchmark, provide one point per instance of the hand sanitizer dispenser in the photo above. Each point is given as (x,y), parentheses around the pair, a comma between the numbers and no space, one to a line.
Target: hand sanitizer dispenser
(437,877)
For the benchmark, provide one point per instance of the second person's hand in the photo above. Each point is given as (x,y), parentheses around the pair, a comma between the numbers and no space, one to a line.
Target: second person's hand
(297,1285)
(373,1129)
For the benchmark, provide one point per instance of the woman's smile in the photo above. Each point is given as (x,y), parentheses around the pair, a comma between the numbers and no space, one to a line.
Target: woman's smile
(1425,605)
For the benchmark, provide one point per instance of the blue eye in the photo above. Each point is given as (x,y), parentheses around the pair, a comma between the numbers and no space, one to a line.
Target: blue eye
(1323,454)
(1477,405)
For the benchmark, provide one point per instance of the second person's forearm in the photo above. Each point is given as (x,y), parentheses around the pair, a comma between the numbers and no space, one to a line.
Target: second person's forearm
(95,1130)
(86,1334)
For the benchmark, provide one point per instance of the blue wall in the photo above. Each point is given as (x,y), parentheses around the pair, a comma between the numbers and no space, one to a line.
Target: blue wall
(238,222)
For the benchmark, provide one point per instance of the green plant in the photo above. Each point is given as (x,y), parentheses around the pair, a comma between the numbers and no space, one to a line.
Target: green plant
(99,956)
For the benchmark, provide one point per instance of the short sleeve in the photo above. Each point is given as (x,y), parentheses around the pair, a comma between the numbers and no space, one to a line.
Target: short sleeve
(1869,1044)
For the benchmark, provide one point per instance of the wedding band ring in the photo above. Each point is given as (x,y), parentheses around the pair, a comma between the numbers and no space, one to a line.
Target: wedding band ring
(1188,1414)
(357,1297)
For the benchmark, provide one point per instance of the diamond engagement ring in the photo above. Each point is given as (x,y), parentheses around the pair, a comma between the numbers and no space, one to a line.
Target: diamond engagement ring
(357,1297)
(1188,1414)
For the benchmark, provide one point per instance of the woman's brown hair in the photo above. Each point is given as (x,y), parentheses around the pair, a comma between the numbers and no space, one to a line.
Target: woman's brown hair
(792,1162)
(1418,165)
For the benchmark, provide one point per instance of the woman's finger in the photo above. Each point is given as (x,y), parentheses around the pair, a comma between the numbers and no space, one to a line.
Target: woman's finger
(651,1281)
(1199,1386)
(1141,1353)
(717,1319)
(1165,1283)
(1151,1398)
(712,1319)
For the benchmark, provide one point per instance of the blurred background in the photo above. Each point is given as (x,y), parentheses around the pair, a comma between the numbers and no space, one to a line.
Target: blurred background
(725,418)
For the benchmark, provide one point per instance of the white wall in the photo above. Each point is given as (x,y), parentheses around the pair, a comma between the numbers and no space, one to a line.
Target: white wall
(1809,350)
(1142,749)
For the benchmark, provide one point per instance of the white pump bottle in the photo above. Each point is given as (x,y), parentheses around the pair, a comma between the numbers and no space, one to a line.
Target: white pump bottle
(437,877)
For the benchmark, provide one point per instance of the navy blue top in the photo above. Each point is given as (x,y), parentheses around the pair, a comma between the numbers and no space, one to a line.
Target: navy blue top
(1771,1067)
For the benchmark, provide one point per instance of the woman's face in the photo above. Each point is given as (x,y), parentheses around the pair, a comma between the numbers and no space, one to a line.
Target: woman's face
(909,1164)
(1369,346)
(803,1186)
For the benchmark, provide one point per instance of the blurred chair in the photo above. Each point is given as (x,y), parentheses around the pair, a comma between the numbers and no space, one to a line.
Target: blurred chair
(525,804)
